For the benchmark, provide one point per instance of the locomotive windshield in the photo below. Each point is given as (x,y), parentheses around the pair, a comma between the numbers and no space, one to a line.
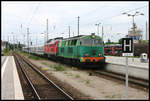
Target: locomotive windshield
(91,42)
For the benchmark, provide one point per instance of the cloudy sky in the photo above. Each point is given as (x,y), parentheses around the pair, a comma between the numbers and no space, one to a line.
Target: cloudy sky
(60,15)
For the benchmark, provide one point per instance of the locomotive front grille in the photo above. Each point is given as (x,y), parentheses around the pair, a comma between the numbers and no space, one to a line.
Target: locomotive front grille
(87,60)
(93,52)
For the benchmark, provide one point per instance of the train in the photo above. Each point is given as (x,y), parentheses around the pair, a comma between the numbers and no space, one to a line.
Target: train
(79,49)
(113,50)
(116,49)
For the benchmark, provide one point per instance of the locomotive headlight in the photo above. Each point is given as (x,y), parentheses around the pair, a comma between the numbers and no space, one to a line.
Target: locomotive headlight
(93,35)
(100,54)
(87,54)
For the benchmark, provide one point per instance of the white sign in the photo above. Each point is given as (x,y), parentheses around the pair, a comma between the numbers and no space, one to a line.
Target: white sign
(127,47)
(127,54)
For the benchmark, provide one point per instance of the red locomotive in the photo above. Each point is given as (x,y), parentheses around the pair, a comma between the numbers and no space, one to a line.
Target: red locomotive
(51,46)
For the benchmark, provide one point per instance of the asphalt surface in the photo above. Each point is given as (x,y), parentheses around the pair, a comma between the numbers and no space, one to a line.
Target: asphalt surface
(10,84)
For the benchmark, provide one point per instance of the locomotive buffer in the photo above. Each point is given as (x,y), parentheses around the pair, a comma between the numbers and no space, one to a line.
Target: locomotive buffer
(127,50)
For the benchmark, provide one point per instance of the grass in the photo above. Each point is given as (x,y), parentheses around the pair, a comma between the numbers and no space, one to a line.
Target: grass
(7,52)
(70,74)
(34,57)
(77,76)
(44,63)
(24,54)
(65,72)
(87,81)
(30,56)
(58,67)
(90,73)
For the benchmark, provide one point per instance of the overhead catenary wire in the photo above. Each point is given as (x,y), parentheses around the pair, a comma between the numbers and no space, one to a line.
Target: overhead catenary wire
(91,11)
(36,8)
(81,25)
(109,18)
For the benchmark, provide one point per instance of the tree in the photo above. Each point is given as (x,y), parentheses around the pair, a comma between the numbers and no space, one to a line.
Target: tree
(120,41)
(109,41)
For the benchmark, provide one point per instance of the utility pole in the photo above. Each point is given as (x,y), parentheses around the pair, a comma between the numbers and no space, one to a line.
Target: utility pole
(69,31)
(23,35)
(21,31)
(13,40)
(16,43)
(146,31)
(97,28)
(28,38)
(47,31)
(36,39)
(73,33)
(8,43)
(78,25)
(102,33)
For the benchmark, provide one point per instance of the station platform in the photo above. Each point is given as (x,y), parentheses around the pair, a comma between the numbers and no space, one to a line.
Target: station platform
(10,83)
(131,61)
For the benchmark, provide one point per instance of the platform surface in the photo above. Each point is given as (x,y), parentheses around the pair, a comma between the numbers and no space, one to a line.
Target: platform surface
(131,61)
(10,84)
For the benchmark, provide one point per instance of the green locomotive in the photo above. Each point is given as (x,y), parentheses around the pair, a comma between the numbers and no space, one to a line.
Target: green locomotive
(83,49)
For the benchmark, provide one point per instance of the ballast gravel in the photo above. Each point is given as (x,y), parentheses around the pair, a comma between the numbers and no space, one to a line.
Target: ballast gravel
(92,87)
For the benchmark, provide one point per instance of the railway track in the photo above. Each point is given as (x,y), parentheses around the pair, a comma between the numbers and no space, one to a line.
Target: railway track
(132,80)
(41,85)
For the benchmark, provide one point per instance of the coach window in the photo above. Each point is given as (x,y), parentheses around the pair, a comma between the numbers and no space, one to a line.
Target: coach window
(71,42)
(80,42)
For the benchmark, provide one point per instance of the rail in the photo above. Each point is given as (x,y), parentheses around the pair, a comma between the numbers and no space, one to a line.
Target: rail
(58,93)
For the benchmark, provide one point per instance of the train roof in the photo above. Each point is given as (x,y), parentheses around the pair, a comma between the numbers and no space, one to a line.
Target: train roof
(79,37)
(75,37)
(58,38)
(34,46)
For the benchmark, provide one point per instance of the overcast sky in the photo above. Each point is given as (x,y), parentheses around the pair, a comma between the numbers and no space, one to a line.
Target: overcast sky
(60,15)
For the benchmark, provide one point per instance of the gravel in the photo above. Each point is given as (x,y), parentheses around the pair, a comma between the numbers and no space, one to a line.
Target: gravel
(83,86)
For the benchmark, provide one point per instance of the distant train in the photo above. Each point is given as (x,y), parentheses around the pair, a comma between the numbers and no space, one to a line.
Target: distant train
(78,49)
(116,49)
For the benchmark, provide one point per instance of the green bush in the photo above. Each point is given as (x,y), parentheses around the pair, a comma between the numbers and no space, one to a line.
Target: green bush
(58,67)
(34,57)
(90,74)
(6,51)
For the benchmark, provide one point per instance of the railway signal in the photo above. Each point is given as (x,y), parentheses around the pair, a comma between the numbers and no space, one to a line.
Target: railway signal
(127,50)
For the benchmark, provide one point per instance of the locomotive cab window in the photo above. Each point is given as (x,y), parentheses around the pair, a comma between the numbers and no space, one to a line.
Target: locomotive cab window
(74,42)
(91,42)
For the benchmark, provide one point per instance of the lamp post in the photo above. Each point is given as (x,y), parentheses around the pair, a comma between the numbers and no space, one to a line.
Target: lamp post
(134,34)
(97,27)
(44,37)
(133,15)
(13,40)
